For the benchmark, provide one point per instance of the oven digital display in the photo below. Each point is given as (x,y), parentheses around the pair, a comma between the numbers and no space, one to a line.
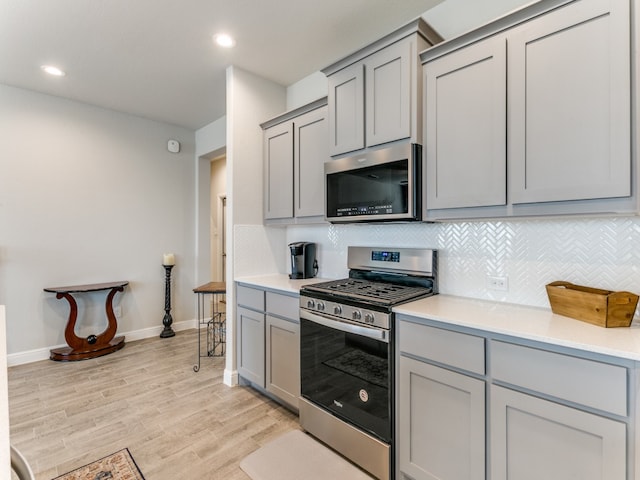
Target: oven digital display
(381,256)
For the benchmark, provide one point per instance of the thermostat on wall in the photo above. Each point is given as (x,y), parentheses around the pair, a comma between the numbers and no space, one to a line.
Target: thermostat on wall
(173,146)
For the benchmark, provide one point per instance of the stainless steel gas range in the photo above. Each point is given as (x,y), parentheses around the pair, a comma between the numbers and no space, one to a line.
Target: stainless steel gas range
(347,351)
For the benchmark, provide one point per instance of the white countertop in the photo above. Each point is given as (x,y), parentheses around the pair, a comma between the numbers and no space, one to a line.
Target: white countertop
(531,323)
(538,324)
(278,282)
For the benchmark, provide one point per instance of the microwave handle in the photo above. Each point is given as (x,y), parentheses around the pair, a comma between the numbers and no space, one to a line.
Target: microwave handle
(375,333)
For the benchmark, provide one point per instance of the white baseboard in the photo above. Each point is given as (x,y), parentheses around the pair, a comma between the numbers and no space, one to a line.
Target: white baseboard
(38,354)
(230,378)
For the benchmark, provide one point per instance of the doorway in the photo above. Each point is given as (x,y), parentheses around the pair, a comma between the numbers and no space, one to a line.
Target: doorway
(218,232)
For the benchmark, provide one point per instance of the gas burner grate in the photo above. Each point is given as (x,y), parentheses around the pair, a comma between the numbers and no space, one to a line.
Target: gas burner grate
(378,292)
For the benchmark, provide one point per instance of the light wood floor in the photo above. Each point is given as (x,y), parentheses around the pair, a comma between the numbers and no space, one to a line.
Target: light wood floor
(178,424)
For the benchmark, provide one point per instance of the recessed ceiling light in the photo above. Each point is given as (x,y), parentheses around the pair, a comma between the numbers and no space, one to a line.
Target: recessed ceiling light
(224,40)
(51,70)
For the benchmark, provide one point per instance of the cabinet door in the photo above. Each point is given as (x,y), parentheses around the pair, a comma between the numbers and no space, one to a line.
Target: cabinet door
(278,171)
(346,109)
(251,345)
(441,424)
(388,94)
(533,439)
(283,359)
(310,152)
(465,127)
(569,104)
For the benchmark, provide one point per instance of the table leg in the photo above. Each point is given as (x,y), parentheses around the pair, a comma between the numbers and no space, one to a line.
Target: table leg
(94,345)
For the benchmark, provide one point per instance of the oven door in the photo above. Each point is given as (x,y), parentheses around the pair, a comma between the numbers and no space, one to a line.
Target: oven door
(346,369)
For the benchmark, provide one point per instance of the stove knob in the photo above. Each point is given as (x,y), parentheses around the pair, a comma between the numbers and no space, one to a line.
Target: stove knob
(368,318)
(337,310)
(356,315)
(311,304)
(320,306)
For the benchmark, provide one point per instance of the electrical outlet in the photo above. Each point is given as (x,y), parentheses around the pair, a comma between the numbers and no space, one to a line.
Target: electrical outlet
(498,283)
(117,311)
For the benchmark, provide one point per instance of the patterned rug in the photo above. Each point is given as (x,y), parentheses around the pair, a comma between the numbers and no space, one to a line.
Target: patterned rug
(117,466)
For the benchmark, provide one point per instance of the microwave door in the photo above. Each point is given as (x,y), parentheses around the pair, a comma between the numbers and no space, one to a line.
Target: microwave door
(382,185)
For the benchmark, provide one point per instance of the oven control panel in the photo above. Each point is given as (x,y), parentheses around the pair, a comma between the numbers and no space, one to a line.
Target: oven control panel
(346,312)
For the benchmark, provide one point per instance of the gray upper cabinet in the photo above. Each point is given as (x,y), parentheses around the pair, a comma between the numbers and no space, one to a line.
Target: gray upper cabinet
(531,115)
(465,134)
(295,149)
(346,98)
(388,92)
(278,171)
(569,98)
(310,141)
(375,94)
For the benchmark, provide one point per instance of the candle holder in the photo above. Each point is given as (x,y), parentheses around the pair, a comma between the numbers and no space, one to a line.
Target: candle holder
(167,320)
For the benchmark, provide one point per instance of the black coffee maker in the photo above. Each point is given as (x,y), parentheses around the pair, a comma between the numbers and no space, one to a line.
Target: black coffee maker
(303,260)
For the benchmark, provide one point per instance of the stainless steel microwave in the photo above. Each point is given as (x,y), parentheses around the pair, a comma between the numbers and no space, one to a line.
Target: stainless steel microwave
(376,186)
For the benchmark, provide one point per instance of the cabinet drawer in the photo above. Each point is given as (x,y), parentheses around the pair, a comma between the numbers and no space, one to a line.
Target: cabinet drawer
(458,350)
(587,382)
(250,297)
(283,305)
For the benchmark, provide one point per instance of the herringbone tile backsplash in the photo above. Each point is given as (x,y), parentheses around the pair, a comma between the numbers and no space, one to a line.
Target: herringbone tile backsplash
(598,252)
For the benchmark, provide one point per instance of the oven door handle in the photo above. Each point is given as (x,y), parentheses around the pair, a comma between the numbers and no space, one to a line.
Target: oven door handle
(345,326)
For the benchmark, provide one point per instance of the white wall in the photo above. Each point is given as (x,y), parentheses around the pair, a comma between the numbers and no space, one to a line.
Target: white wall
(5,455)
(89,195)
(251,100)
(310,88)
(211,138)
(454,17)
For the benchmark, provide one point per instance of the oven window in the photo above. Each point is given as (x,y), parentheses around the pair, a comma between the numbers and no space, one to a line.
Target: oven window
(380,189)
(348,375)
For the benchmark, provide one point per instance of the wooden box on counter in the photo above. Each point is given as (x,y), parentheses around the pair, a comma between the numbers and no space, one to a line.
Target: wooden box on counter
(599,307)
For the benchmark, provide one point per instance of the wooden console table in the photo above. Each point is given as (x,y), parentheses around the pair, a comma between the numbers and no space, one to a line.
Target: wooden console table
(94,345)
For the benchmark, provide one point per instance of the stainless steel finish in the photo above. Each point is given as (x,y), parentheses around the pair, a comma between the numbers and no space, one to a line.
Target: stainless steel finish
(346,326)
(369,159)
(378,157)
(413,261)
(337,311)
(364,450)
(379,278)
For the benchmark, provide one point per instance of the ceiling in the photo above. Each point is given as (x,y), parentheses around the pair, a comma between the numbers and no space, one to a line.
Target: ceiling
(156,58)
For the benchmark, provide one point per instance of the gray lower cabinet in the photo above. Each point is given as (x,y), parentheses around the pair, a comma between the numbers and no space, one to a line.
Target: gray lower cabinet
(250,339)
(251,345)
(532,438)
(441,409)
(441,424)
(269,342)
(283,359)
(476,405)
(556,416)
